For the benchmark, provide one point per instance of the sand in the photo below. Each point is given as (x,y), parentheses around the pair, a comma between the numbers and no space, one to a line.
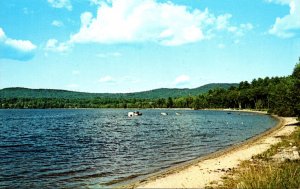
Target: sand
(202,172)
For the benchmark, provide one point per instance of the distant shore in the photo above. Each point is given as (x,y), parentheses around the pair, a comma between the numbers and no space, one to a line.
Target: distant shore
(200,172)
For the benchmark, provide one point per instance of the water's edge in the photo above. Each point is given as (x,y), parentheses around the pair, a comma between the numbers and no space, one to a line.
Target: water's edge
(134,182)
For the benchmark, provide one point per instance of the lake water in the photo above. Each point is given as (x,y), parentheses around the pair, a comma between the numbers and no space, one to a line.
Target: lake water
(95,148)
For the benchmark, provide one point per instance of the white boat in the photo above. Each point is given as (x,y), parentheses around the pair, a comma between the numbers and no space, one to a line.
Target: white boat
(137,113)
(177,113)
(164,113)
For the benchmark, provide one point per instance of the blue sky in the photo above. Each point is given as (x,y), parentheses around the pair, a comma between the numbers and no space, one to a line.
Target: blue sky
(137,45)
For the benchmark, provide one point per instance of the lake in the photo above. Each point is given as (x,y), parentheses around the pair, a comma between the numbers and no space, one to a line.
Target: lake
(97,148)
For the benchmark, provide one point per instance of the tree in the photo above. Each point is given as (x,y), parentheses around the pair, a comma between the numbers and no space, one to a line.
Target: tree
(281,98)
(170,103)
(160,103)
(233,98)
(197,104)
(296,71)
(296,88)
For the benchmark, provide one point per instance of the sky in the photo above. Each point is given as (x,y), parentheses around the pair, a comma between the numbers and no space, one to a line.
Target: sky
(136,45)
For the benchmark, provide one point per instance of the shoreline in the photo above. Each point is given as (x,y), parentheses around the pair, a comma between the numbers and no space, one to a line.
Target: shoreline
(200,172)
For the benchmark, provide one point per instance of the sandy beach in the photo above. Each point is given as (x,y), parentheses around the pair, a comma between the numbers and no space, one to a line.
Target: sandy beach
(201,172)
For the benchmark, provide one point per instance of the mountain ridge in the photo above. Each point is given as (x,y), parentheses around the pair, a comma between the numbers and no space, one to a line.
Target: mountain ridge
(22,92)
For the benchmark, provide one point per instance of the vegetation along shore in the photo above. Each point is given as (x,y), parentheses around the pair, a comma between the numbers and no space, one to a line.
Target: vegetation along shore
(278,95)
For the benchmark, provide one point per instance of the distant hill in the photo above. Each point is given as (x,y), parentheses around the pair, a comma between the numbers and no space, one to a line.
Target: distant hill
(18,92)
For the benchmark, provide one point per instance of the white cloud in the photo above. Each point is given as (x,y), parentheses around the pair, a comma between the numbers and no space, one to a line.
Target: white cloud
(106,79)
(61,4)
(54,46)
(182,80)
(15,49)
(86,18)
(119,21)
(286,26)
(223,21)
(57,23)
(240,30)
(22,45)
(109,55)
(2,34)
(96,2)
(247,26)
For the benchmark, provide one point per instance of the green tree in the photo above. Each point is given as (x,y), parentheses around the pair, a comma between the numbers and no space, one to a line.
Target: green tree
(197,104)
(170,103)
(281,98)
(296,88)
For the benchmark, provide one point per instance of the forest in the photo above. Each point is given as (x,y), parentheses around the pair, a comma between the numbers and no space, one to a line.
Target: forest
(278,95)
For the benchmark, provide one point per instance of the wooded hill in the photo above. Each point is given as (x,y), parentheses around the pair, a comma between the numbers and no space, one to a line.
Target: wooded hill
(18,92)
(279,95)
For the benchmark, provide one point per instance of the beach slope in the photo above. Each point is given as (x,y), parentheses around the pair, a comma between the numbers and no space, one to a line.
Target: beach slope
(201,173)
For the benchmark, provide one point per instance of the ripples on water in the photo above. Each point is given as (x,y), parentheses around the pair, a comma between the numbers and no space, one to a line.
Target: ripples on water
(97,148)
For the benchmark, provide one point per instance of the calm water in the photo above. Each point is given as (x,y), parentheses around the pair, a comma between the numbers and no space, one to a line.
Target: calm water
(96,148)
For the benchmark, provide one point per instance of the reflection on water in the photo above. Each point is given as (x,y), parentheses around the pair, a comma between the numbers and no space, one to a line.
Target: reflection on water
(97,148)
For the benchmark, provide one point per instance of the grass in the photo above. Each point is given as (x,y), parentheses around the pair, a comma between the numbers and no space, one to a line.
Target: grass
(263,172)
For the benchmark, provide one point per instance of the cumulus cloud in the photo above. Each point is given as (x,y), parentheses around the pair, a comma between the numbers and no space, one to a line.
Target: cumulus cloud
(54,46)
(96,2)
(57,23)
(119,21)
(239,30)
(61,4)
(15,49)
(222,22)
(182,80)
(106,79)
(286,26)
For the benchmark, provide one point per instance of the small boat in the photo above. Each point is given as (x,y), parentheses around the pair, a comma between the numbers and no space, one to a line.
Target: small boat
(137,113)
(177,113)
(164,113)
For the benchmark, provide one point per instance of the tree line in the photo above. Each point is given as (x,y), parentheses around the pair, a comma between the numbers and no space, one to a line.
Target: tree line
(279,95)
